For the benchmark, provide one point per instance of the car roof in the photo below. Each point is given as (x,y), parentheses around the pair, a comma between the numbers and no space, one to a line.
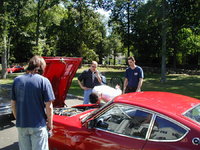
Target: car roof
(162,102)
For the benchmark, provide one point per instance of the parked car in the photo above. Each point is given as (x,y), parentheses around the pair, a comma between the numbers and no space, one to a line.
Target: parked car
(139,121)
(5,105)
(15,69)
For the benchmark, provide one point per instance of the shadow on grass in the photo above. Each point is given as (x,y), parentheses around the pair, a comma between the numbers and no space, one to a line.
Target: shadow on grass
(180,84)
(175,83)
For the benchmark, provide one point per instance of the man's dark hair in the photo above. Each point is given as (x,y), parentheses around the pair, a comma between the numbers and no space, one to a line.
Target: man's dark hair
(131,58)
(93,98)
(36,64)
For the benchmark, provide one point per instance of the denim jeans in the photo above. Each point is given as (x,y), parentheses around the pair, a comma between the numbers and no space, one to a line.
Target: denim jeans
(87,93)
(33,138)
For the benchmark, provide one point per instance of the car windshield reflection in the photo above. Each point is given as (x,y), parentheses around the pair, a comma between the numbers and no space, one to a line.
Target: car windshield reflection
(85,118)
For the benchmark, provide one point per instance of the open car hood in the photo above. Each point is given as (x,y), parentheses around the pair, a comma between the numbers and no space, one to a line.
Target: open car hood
(60,72)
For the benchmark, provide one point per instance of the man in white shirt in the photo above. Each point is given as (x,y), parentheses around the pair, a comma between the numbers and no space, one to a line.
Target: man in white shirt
(106,93)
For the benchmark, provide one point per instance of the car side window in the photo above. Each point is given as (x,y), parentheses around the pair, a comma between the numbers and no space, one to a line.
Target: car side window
(126,120)
(166,130)
(194,114)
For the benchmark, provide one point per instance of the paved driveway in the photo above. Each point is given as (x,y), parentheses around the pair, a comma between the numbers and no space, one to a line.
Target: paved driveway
(8,135)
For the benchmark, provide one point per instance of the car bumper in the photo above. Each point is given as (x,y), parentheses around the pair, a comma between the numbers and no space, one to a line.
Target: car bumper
(5,110)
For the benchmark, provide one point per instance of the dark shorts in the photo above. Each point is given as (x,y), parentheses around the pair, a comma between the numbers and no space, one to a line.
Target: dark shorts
(130,89)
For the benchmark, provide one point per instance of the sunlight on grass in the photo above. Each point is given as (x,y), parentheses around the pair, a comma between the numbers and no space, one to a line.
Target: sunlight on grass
(176,83)
(6,81)
(10,77)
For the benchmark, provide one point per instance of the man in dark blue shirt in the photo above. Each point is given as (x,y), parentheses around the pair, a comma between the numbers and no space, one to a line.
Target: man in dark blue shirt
(133,77)
(32,97)
(88,79)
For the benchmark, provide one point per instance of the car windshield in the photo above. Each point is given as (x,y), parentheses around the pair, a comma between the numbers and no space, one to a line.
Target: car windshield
(194,114)
(94,112)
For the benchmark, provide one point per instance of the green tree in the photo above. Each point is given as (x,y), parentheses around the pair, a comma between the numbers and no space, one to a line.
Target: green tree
(115,46)
(24,32)
(7,21)
(52,18)
(181,14)
(146,36)
(122,14)
(189,43)
(73,41)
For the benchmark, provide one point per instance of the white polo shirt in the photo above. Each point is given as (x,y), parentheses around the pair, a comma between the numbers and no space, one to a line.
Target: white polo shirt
(106,93)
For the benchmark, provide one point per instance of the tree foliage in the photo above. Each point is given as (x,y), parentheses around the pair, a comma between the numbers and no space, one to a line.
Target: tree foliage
(74,28)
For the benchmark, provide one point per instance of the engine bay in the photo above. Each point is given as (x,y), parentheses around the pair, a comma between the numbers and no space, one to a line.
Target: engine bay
(67,111)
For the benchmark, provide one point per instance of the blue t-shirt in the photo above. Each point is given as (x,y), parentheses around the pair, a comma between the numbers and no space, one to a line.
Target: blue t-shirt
(133,76)
(31,91)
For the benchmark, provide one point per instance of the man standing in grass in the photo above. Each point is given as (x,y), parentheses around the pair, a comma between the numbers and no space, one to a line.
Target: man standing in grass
(88,79)
(133,77)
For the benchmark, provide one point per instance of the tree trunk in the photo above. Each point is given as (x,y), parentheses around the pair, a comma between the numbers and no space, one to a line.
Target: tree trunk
(114,63)
(163,35)
(37,24)
(81,24)
(4,36)
(128,18)
(174,48)
(8,51)
(4,58)
(40,5)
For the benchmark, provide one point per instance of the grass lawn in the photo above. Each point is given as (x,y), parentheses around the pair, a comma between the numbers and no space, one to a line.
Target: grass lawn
(176,83)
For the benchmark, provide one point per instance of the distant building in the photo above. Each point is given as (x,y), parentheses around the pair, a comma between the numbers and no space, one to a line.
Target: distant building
(120,59)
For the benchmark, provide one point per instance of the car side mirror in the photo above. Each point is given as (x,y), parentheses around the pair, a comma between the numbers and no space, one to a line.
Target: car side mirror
(91,124)
(97,123)
(101,124)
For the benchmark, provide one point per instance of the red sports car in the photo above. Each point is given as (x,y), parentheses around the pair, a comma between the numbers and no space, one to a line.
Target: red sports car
(15,69)
(135,121)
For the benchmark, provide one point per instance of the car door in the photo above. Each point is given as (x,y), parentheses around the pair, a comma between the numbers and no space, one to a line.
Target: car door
(121,127)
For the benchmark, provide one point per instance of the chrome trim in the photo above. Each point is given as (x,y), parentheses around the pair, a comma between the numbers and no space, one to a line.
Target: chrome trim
(105,110)
(196,141)
(150,126)
(188,111)
(5,110)
(95,113)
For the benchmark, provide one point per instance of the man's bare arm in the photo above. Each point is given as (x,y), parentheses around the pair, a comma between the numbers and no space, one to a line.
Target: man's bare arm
(139,85)
(125,84)
(98,76)
(13,106)
(49,113)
